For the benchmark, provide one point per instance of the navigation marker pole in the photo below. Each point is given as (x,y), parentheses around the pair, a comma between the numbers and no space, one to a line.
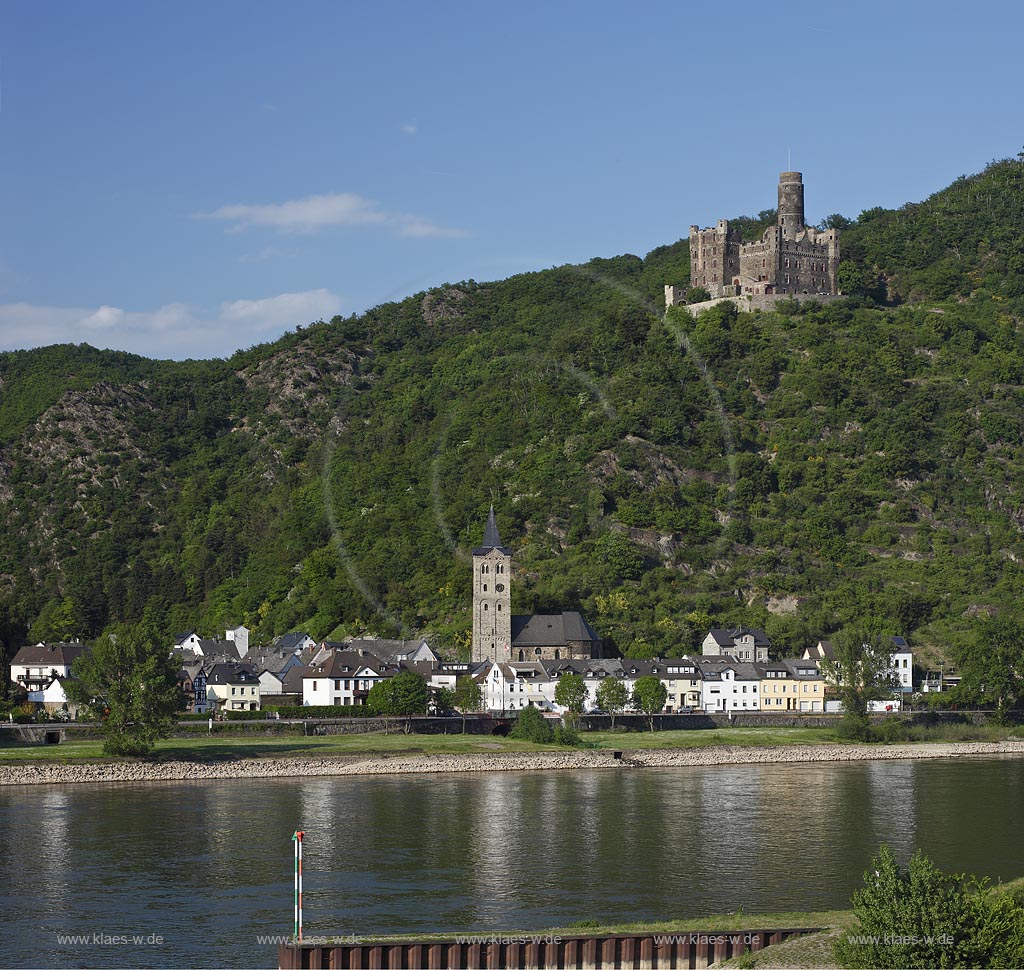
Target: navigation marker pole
(297,839)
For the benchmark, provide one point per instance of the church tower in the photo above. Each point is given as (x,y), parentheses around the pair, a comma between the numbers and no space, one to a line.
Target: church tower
(492,597)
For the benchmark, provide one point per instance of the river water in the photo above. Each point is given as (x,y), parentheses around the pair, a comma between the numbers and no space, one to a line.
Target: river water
(206,867)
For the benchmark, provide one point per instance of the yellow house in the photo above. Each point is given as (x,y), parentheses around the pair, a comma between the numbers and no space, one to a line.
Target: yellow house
(792,685)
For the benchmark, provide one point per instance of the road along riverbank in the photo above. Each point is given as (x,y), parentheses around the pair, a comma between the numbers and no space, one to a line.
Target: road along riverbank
(50,773)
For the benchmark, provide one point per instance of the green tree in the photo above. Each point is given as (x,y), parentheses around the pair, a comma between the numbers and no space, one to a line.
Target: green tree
(571,693)
(129,682)
(923,917)
(992,663)
(612,696)
(442,704)
(860,670)
(531,726)
(649,696)
(468,697)
(398,696)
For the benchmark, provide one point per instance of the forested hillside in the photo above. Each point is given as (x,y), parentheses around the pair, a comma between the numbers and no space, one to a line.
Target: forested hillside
(798,470)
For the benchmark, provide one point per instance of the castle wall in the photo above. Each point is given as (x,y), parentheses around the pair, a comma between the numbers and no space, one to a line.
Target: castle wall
(749,302)
(714,256)
(790,259)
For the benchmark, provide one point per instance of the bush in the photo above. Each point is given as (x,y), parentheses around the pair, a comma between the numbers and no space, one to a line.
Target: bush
(246,715)
(947,920)
(531,726)
(890,730)
(566,736)
(854,727)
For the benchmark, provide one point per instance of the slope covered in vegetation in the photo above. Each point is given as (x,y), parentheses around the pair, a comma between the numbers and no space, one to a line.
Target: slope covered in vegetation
(797,470)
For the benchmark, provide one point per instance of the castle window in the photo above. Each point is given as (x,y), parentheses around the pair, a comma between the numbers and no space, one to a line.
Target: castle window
(522,656)
(485,607)
(485,587)
(499,607)
(483,568)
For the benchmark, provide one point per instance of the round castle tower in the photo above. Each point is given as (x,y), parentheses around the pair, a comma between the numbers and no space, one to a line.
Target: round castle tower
(791,203)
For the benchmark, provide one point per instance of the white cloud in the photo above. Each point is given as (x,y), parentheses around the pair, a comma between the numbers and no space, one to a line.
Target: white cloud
(409,129)
(315,212)
(278,312)
(175,330)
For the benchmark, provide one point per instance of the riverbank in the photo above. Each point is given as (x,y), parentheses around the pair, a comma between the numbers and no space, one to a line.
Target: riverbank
(51,773)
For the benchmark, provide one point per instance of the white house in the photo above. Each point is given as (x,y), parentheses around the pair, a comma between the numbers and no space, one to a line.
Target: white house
(903,664)
(902,670)
(729,685)
(34,667)
(189,641)
(53,698)
(511,687)
(345,677)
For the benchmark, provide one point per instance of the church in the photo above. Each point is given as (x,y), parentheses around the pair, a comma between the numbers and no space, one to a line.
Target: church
(504,638)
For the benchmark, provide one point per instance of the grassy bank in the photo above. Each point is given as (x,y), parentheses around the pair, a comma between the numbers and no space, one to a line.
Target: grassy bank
(224,746)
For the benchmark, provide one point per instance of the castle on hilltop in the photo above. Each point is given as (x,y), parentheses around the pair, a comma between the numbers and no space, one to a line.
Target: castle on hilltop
(503,638)
(789,260)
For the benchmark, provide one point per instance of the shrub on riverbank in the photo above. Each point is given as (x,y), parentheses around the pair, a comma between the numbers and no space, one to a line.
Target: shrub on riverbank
(923,917)
(531,726)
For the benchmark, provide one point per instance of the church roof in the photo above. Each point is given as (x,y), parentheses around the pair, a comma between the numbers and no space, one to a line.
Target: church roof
(491,538)
(555,629)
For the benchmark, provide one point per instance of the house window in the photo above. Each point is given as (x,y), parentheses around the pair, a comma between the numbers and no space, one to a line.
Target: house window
(232,691)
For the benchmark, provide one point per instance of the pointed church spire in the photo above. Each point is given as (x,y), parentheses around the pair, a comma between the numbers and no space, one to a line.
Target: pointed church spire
(491,538)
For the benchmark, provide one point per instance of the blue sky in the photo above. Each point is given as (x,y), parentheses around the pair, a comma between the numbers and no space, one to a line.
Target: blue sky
(182,180)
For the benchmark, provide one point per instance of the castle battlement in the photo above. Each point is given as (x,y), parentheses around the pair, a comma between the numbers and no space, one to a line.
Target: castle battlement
(790,259)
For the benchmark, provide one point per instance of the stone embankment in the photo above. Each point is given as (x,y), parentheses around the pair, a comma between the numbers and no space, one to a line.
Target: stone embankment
(50,773)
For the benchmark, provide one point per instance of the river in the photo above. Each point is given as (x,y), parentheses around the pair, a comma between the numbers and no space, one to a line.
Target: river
(192,874)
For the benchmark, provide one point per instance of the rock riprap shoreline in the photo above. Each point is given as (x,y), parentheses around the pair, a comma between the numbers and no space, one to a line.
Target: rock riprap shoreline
(50,773)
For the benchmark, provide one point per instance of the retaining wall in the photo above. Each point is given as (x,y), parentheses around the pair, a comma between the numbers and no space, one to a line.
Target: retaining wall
(695,950)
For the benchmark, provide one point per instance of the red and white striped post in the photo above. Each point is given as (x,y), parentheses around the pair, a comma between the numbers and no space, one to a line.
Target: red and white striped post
(297,839)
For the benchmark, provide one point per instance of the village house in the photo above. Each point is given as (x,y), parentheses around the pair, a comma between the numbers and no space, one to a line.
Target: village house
(344,678)
(35,667)
(729,685)
(227,687)
(741,643)
(789,685)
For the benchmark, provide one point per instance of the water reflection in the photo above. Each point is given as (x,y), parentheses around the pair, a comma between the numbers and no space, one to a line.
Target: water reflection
(209,865)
